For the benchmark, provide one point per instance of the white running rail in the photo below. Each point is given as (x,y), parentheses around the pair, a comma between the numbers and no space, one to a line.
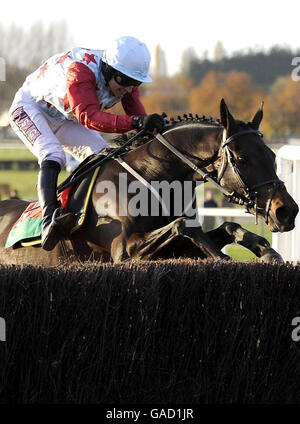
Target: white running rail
(288,170)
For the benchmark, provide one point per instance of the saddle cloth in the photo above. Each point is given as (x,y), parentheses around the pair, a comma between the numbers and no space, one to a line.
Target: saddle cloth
(26,231)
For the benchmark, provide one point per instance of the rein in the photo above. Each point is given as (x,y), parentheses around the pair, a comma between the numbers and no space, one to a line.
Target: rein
(206,176)
(249,199)
(99,162)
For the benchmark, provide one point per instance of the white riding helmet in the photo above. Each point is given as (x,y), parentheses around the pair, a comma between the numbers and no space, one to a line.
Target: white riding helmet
(129,56)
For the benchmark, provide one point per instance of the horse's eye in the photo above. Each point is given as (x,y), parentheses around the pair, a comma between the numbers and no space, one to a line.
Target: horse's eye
(242,159)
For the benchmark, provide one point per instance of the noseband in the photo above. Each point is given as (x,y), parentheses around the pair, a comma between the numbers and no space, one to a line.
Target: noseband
(249,198)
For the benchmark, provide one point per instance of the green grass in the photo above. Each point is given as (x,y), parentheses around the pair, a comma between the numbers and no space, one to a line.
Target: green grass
(24,181)
(239,253)
(16,154)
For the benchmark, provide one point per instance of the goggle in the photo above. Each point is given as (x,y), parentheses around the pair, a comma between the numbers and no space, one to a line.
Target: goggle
(125,81)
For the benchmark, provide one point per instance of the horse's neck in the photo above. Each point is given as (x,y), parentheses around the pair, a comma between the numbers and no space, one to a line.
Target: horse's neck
(155,161)
(199,142)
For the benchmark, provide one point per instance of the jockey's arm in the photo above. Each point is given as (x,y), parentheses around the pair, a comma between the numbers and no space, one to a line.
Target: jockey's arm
(83,100)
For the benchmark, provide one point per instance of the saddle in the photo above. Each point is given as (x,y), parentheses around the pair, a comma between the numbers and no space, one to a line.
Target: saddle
(74,199)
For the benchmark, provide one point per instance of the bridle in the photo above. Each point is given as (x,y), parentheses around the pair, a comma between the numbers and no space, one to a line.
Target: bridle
(250,195)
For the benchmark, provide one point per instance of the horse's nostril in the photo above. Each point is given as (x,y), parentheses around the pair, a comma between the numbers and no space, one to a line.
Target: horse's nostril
(282,214)
(286,215)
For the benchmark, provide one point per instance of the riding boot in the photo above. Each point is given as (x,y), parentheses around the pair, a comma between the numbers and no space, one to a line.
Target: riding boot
(52,229)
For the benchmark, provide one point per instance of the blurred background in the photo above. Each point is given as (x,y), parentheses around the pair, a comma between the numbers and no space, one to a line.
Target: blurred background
(201,52)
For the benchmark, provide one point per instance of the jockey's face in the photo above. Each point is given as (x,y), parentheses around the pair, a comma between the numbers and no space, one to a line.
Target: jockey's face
(117,89)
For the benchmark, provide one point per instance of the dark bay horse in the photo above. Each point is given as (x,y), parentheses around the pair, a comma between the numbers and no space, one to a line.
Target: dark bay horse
(230,151)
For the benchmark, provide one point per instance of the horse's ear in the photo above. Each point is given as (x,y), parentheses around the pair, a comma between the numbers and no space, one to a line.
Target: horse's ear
(223,113)
(255,123)
(227,119)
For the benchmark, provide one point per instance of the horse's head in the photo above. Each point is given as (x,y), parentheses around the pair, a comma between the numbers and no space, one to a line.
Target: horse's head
(247,171)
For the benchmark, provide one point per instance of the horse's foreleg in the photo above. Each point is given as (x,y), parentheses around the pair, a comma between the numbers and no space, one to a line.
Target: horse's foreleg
(147,245)
(200,239)
(231,232)
(118,248)
(141,246)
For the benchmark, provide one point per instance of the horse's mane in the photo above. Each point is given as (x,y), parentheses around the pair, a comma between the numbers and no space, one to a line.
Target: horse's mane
(120,139)
(185,119)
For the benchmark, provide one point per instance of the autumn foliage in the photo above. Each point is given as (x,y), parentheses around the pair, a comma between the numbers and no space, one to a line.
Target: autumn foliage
(282,112)
(177,95)
(170,95)
(235,87)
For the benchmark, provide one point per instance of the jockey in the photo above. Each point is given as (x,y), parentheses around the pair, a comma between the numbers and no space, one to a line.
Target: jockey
(61,107)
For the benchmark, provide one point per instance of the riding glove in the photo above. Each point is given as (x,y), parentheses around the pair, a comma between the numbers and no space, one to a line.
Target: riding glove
(149,122)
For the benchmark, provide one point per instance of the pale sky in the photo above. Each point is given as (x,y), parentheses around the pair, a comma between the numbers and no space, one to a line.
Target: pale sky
(175,25)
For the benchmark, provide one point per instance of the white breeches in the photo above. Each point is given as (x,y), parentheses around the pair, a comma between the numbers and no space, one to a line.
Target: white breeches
(49,138)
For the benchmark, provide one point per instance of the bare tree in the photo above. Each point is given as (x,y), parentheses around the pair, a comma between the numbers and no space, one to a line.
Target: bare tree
(44,42)
(188,56)
(25,50)
(28,49)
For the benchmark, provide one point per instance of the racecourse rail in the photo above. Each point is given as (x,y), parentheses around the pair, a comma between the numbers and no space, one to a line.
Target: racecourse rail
(288,170)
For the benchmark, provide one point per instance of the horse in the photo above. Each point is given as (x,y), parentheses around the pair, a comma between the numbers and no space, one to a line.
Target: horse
(228,152)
